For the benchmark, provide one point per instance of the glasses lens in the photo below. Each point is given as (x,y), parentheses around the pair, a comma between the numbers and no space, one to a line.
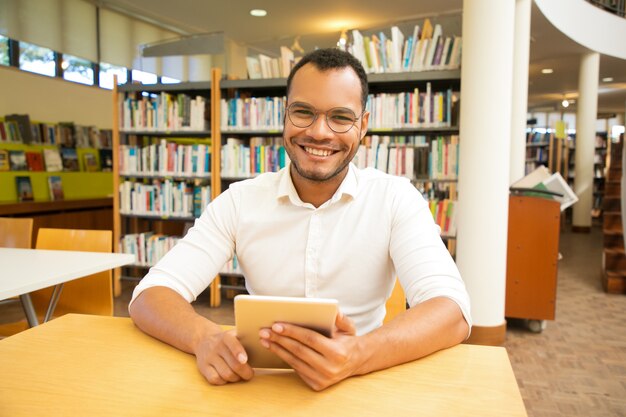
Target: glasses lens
(340,119)
(301,115)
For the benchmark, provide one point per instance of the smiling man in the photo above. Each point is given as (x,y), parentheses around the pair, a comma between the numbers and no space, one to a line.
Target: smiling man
(318,228)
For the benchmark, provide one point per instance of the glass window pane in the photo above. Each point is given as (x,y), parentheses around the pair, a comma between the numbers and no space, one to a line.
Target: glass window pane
(37,59)
(144,77)
(107,71)
(169,80)
(4,50)
(77,69)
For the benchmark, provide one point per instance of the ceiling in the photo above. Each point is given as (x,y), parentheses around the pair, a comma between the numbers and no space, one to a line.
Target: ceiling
(319,24)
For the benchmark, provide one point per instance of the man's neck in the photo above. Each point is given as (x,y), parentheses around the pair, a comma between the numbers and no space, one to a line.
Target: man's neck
(316,192)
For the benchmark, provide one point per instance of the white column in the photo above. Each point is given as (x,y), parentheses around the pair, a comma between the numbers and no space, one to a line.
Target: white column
(519,111)
(486,92)
(585,139)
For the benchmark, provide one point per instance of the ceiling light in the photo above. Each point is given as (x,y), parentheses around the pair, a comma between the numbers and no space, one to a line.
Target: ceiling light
(258,12)
(607,79)
(547,71)
(565,103)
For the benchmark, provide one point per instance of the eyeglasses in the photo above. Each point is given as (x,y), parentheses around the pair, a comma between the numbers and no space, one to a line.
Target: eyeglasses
(338,119)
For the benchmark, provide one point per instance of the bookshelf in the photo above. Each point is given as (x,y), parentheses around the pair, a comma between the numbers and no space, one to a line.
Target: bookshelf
(242,149)
(163,167)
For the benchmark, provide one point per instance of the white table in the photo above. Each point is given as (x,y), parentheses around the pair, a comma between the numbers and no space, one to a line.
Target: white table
(25,270)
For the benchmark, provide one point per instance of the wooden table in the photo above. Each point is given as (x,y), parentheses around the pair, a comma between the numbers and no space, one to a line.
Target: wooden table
(26,270)
(104,366)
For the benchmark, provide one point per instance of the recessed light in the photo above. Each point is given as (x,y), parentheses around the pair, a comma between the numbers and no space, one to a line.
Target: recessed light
(607,79)
(565,103)
(258,12)
(547,71)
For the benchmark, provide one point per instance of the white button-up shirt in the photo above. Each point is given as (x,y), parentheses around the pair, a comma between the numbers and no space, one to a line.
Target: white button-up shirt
(351,248)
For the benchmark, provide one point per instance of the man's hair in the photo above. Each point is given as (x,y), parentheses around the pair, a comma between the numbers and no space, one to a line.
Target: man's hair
(332,58)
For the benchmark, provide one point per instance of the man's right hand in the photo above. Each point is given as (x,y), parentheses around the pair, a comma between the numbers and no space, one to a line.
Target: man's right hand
(222,359)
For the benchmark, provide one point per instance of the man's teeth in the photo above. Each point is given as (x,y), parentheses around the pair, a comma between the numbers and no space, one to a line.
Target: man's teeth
(318,152)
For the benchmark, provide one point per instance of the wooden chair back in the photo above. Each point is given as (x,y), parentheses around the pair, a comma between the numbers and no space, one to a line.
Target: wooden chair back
(92,294)
(396,304)
(16,232)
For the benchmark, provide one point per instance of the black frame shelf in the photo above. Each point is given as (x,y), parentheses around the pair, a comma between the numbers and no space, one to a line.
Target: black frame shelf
(165,176)
(159,217)
(169,133)
(187,87)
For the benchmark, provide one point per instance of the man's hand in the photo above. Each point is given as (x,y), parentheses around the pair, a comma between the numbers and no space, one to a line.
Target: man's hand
(221,359)
(318,360)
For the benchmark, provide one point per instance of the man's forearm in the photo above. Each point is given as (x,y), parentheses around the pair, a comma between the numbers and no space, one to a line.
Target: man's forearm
(164,314)
(423,329)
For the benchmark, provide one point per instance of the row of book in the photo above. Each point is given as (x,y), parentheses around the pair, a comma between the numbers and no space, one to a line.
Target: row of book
(18,128)
(411,109)
(407,109)
(417,158)
(444,213)
(264,154)
(253,113)
(425,49)
(163,198)
(262,66)
(55,160)
(164,112)
(232,266)
(538,138)
(538,154)
(24,188)
(166,158)
(147,247)
(436,190)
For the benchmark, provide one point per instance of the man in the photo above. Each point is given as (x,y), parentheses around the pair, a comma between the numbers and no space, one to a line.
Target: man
(318,228)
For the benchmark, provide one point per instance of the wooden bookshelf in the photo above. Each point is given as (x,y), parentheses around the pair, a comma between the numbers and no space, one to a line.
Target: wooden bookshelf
(216,89)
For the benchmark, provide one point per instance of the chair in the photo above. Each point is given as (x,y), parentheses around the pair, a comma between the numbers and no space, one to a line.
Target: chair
(396,304)
(92,294)
(16,232)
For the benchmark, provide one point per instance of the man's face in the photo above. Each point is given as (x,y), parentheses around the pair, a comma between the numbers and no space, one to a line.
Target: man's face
(318,153)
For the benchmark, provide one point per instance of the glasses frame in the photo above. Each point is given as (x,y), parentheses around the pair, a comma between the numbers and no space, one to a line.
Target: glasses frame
(318,112)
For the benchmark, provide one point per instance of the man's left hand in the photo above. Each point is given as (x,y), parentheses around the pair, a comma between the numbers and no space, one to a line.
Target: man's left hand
(320,361)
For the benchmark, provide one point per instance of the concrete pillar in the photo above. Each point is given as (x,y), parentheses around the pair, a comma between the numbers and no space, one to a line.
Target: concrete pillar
(585,140)
(484,159)
(521,52)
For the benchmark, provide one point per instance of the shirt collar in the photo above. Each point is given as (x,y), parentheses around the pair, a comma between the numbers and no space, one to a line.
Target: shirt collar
(348,186)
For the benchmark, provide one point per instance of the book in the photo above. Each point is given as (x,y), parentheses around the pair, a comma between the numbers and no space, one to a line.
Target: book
(254,68)
(52,160)
(34,160)
(4,160)
(55,188)
(106,159)
(70,159)
(22,122)
(17,160)
(24,188)
(90,162)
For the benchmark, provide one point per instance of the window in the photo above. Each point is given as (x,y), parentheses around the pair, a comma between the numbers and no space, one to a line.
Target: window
(37,59)
(168,80)
(107,71)
(4,50)
(144,77)
(77,69)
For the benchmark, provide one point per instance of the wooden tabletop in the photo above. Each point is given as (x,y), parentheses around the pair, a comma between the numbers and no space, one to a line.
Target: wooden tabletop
(104,366)
(26,270)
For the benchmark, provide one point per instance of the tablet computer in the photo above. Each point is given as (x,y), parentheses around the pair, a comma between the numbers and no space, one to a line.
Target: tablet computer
(254,312)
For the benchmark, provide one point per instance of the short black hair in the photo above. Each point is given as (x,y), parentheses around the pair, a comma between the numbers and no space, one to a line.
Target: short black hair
(332,58)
